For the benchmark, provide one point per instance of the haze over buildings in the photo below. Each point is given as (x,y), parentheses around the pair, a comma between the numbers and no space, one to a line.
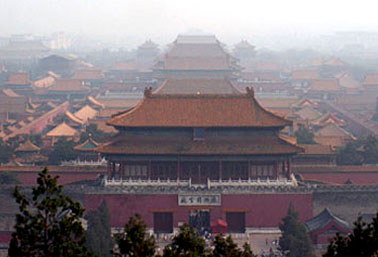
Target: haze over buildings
(129,23)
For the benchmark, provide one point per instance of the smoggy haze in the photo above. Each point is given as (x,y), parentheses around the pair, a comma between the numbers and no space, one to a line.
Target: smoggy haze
(162,20)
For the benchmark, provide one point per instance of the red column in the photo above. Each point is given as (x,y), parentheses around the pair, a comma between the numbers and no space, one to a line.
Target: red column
(276,169)
(113,169)
(288,168)
(178,170)
(109,170)
(149,170)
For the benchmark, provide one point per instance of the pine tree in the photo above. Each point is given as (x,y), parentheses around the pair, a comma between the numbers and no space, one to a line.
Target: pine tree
(304,135)
(5,152)
(186,244)
(134,241)
(363,242)
(63,151)
(49,223)
(294,241)
(370,153)
(247,251)
(98,234)
(349,155)
(225,247)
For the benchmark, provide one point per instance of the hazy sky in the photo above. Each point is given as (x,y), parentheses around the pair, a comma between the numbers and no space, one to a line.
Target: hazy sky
(162,20)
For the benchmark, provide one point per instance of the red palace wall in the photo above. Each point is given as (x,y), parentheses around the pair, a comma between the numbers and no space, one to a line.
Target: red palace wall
(27,175)
(262,210)
(64,178)
(357,178)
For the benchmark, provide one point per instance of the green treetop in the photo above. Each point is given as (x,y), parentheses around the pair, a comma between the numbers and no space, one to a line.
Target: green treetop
(48,223)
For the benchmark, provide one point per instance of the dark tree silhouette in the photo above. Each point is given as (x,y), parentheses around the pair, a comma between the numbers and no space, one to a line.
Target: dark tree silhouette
(294,241)
(63,151)
(49,223)
(225,247)
(134,241)
(304,135)
(5,152)
(362,242)
(99,239)
(186,244)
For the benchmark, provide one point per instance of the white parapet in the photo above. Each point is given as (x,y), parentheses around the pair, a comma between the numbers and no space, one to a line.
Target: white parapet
(210,183)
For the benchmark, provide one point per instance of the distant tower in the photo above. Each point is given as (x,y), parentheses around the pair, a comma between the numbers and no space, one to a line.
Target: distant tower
(147,52)
(244,50)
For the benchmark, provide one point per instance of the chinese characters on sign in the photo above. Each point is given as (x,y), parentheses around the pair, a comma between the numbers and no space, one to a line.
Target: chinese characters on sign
(199,200)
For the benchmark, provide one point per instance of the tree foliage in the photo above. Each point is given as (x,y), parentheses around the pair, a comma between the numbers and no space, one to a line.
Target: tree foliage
(98,234)
(187,243)
(362,242)
(349,155)
(6,152)
(304,135)
(225,247)
(361,151)
(134,241)
(294,241)
(63,151)
(370,149)
(49,223)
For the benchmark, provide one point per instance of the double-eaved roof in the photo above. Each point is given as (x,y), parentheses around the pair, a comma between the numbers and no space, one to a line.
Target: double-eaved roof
(198,110)
(186,146)
(27,146)
(196,53)
(325,220)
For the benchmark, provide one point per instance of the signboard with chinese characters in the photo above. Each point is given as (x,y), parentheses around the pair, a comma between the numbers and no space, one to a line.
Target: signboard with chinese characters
(191,200)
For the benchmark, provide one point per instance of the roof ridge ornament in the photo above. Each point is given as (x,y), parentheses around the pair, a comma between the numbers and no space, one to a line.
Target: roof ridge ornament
(250,91)
(148,91)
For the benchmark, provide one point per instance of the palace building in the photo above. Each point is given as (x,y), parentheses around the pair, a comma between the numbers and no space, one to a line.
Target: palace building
(196,56)
(198,158)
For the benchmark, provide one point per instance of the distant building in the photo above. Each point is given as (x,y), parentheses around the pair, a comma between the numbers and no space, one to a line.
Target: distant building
(11,104)
(325,89)
(323,227)
(315,155)
(59,41)
(62,65)
(28,153)
(60,131)
(87,151)
(333,135)
(67,89)
(370,83)
(22,52)
(244,50)
(91,77)
(146,54)
(19,83)
(196,57)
